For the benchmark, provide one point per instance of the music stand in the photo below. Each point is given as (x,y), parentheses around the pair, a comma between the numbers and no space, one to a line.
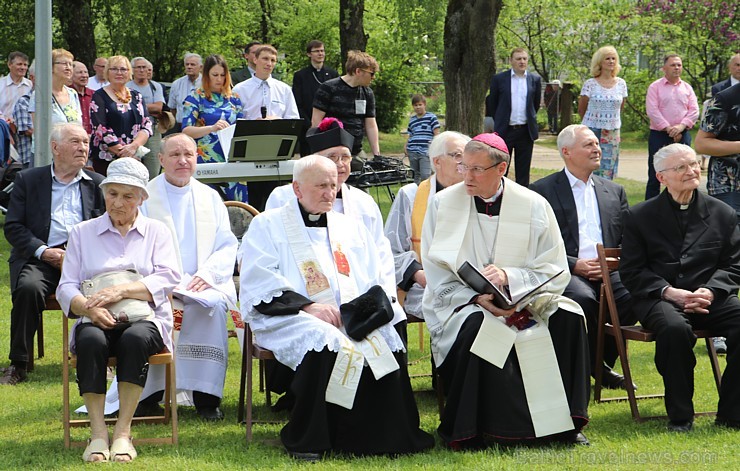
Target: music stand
(264,140)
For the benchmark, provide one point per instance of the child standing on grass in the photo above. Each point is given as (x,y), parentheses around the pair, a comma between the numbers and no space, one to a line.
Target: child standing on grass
(423,127)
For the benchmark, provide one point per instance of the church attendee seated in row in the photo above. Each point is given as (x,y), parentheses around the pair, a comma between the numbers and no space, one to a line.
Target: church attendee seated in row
(510,375)
(681,263)
(310,274)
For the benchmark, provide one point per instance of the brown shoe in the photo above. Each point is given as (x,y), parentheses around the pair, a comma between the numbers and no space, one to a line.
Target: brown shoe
(13,375)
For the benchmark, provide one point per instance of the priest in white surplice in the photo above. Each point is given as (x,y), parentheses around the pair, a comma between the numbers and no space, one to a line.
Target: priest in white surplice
(332,141)
(403,225)
(507,376)
(300,263)
(206,248)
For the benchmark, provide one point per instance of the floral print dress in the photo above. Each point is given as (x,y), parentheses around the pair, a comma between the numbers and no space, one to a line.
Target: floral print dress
(115,123)
(199,110)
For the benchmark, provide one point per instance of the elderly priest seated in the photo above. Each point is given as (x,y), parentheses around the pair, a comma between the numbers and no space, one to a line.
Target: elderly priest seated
(510,375)
(311,289)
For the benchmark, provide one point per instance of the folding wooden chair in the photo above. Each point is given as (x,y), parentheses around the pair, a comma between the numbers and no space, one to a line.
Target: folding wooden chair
(170,392)
(252,351)
(51,305)
(609,261)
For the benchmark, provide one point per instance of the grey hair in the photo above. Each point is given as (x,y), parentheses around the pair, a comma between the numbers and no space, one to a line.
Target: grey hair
(495,155)
(439,144)
(141,59)
(32,68)
(668,151)
(58,131)
(190,55)
(567,137)
(309,162)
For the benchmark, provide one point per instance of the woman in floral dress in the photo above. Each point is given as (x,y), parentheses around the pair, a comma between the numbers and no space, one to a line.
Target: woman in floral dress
(120,122)
(600,106)
(209,109)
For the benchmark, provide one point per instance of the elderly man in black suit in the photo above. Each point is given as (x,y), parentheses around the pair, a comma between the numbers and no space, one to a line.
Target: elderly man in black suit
(734,65)
(44,205)
(589,210)
(681,262)
(513,104)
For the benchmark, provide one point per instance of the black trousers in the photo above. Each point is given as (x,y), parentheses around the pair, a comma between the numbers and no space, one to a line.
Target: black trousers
(520,146)
(36,281)
(675,360)
(131,345)
(586,294)
(488,404)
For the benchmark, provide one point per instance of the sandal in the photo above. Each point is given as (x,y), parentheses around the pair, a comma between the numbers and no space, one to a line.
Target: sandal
(96,447)
(122,447)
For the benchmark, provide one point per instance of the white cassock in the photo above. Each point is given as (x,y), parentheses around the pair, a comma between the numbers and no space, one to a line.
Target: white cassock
(206,248)
(269,268)
(398,232)
(363,209)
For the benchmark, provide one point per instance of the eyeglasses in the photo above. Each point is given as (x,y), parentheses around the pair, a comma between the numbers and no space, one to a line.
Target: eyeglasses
(318,51)
(456,156)
(64,64)
(336,158)
(372,74)
(118,70)
(463,169)
(683,168)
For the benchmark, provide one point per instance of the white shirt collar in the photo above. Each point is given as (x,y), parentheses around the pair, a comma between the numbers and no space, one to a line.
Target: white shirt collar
(573,180)
(514,75)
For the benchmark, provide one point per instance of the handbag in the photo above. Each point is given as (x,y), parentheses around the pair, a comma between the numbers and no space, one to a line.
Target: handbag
(125,310)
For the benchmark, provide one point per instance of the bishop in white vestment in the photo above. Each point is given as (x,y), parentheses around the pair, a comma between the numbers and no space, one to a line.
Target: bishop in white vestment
(300,263)
(509,375)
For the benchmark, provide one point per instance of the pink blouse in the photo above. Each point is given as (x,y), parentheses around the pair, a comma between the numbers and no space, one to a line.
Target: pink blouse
(95,246)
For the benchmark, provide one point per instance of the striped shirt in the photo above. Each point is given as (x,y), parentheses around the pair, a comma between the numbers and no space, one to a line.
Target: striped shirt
(421,132)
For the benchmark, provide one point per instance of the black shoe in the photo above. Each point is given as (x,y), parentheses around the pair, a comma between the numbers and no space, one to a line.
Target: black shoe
(305,456)
(210,414)
(148,409)
(610,379)
(680,427)
(727,423)
(13,375)
(573,438)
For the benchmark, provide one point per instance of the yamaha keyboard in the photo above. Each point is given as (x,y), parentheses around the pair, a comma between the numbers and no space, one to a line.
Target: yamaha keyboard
(275,171)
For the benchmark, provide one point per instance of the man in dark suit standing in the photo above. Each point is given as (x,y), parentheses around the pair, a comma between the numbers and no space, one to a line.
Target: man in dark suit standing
(305,83)
(734,65)
(514,101)
(44,205)
(589,210)
(681,262)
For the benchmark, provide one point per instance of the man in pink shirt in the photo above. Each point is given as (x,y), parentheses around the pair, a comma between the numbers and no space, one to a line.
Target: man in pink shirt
(672,108)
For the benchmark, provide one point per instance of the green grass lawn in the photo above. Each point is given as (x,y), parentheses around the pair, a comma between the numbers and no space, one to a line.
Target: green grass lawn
(31,429)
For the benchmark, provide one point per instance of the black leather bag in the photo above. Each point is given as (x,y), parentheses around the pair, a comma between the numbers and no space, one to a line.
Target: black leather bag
(366,313)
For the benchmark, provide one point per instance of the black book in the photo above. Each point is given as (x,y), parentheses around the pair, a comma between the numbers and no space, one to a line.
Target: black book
(475,279)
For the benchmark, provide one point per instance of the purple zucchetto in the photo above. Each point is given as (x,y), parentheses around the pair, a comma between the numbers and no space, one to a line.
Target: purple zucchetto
(492,140)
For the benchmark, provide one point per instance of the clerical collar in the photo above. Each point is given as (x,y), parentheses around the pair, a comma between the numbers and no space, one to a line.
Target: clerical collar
(490,206)
(440,187)
(679,206)
(312,220)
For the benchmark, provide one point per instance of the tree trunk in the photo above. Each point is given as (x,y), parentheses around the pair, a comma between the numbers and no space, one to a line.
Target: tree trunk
(469,61)
(351,31)
(78,30)
(264,22)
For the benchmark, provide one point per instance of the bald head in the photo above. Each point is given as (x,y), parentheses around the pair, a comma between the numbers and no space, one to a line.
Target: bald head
(178,157)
